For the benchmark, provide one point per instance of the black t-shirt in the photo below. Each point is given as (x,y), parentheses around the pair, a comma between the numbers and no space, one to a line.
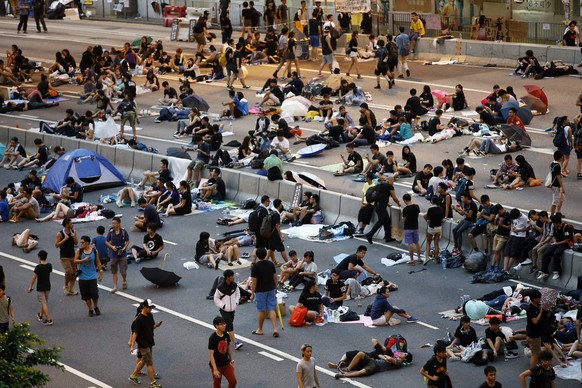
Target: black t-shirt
(187,197)
(390,166)
(77,189)
(199,27)
(443,204)
(496,385)
(487,118)
(356,158)
(369,134)
(541,378)
(220,186)
(170,93)
(220,347)
(435,216)
(153,243)
(42,154)
(470,207)
(311,301)
(415,105)
(314,25)
(277,92)
(344,264)
(435,368)
(410,159)
(466,337)
(556,171)
(422,178)
(432,125)
(335,290)
(492,335)
(202,248)
(410,213)
(144,327)
(507,222)
(263,271)
(534,330)
(43,273)
(459,101)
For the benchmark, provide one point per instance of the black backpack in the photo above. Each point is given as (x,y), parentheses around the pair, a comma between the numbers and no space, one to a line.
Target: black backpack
(373,193)
(267,226)
(256,219)
(560,138)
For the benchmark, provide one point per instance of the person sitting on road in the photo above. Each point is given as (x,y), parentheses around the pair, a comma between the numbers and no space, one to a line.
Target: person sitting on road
(306,272)
(289,268)
(214,188)
(206,252)
(353,164)
(185,204)
(311,299)
(522,176)
(281,145)
(153,244)
(464,336)
(352,266)
(382,310)
(150,216)
(274,95)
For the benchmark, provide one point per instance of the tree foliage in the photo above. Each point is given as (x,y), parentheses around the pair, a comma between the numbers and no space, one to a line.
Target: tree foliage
(20,352)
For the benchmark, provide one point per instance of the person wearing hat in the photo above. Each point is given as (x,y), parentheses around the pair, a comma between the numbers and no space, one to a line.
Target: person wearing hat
(326,50)
(214,188)
(142,332)
(220,354)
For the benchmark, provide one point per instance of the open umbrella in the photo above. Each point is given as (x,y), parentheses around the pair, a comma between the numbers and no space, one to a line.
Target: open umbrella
(195,101)
(159,276)
(294,108)
(312,180)
(538,92)
(300,99)
(535,103)
(177,152)
(441,96)
(312,150)
(515,133)
(137,42)
(523,112)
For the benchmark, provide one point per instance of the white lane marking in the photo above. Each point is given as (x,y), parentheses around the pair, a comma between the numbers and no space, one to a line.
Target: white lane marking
(85,376)
(270,356)
(170,242)
(427,325)
(26,266)
(197,322)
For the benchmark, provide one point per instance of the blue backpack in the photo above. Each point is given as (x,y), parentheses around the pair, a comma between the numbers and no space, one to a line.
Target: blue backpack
(461,188)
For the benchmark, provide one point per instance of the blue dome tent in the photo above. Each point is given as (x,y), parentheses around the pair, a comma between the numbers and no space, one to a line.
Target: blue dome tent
(90,169)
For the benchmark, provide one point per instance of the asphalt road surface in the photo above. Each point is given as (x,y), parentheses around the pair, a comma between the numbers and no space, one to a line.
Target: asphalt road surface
(97,347)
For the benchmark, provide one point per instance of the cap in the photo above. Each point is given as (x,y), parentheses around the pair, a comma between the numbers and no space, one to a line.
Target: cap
(148,303)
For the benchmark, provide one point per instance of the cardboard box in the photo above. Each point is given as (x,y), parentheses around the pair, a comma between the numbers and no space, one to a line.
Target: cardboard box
(5,92)
(71,14)
(283,309)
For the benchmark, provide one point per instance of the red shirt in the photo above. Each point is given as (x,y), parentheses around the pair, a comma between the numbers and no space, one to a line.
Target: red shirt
(516,121)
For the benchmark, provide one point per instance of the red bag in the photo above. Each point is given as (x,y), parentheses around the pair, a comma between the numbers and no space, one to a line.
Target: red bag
(297,317)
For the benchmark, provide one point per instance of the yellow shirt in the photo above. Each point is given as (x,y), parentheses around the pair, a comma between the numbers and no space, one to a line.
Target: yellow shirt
(364,189)
(417,27)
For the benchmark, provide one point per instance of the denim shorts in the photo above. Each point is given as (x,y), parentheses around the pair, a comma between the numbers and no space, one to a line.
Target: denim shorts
(266,301)
(411,236)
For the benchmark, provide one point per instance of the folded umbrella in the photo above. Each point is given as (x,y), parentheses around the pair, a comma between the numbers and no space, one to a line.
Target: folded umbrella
(535,103)
(538,92)
(159,276)
(515,133)
(294,108)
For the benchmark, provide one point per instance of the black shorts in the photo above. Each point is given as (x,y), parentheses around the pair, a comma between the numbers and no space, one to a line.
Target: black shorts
(513,247)
(228,317)
(477,230)
(276,245)
(381,71)
(261,242)
(365,214)
(180,211)
(88,289)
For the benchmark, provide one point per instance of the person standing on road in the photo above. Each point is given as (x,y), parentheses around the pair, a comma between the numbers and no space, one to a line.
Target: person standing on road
(117,241)
(220,354)
(23,11)
(276,240)
(558,190)
(227,298)
(410,215)
(143,333)
(305,370)
(535,326)
(89,265)
(385,191)
(264,292)
(403,43)
(66,240)
(42,273)
(326,51)
(6,310)
(260,241)
(352,52)
(39,11)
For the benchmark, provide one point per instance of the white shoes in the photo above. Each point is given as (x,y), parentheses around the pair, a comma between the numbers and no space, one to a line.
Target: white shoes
(517,267)
(542,276)
(527,262)
(555,276)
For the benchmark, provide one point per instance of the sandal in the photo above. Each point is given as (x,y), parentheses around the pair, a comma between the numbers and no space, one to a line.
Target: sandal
(256,332)
(411,263)
(276,334)
(337,173)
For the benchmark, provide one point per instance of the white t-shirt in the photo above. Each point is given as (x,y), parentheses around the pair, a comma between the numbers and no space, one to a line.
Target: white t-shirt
(310,267)
(283,143)
(519,223)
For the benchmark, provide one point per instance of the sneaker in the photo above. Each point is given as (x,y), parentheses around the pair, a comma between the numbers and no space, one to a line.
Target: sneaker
(246,87)
(38,317)
(555,276)
(526,262)
(377,87)
(338,376)
(510,355)
(72,291)
(155,384)
(91,313)
(517,267)
(66,290)
(46,322)
(238,345)
(412,319)
(134,379)
(542,276)
(454,358)
(407,72)
(97,311)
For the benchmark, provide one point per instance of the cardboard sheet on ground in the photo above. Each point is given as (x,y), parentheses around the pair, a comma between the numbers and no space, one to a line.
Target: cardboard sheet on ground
(224,265)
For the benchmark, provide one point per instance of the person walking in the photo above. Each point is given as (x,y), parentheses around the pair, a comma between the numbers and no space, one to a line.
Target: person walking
(66,240)
(41,277)
(276,240)
(143,333)
(117,241)
(6,310)
(89,265)
(227,298)
(557,186)
(305,370)
(403,43)
(264,275)
(385,191)
(23,11)
(220,354)
(326,51)
(39,12)
(352,53)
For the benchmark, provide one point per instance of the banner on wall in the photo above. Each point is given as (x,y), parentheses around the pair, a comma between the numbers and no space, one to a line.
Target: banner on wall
(353,6)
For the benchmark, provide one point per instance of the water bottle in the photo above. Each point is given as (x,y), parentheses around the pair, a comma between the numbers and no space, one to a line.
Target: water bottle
(230,127)
(101,199)
(443,262)
(325,316)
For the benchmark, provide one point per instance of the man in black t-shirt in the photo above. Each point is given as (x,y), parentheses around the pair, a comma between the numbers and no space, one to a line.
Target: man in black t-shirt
(385,191)
(353,265)
(153,244)
(410,217)
(276,240)
(485,117)
(335,291)
(353,165)
(170,94)
(434,124)
(220,354)
(150,215)
(143,333)
(558,191)
(264,275)
(215,187)
(468,209)
(420,182)
(494,340)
